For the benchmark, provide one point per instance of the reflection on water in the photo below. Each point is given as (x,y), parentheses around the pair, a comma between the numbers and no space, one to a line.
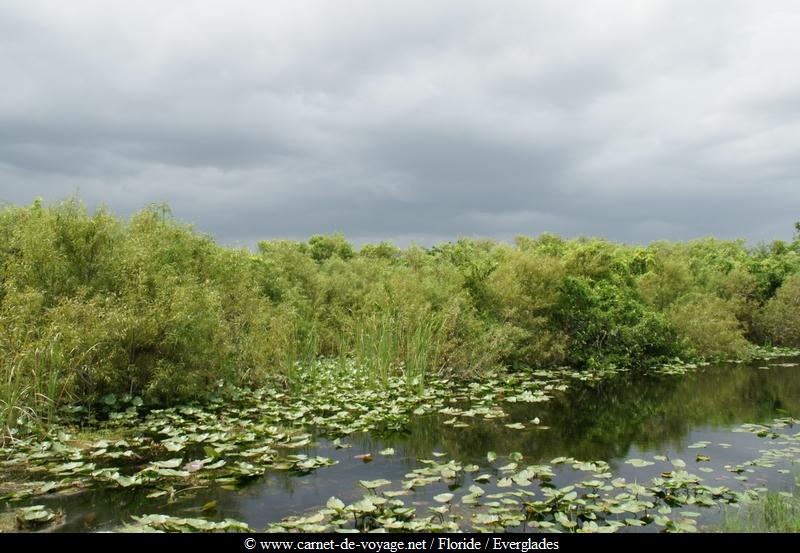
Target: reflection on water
(611,420)
(604,420)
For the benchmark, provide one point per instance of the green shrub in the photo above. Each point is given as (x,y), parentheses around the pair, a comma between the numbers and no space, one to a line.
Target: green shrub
(779,322)
(708,326)
(525,292)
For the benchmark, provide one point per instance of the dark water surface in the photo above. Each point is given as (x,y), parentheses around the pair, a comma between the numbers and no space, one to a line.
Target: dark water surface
(613,420)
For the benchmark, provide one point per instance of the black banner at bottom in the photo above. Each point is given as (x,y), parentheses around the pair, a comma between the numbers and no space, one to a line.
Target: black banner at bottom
(389,543)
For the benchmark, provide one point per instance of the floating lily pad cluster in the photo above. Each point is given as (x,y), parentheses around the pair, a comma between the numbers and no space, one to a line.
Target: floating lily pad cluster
(241,435)
(679,367)
(508,495)
(597,502)
(35,516)
(164,523)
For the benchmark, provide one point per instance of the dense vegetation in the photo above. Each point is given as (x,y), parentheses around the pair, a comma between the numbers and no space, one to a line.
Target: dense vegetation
(91,305)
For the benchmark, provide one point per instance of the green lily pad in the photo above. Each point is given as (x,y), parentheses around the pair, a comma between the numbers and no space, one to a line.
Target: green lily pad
(34,516)
(335,503)
(373,484)
(639,463)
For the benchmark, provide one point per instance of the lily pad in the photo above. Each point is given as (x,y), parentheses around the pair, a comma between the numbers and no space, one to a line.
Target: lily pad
(639,463)
(373,484)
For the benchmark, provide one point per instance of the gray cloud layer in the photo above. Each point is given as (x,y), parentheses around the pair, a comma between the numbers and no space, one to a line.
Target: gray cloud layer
(410,120)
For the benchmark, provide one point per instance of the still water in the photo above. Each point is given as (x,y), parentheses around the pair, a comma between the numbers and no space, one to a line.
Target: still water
(613,420)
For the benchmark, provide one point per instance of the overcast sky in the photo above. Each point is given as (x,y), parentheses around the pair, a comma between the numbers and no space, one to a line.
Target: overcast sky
(410,121)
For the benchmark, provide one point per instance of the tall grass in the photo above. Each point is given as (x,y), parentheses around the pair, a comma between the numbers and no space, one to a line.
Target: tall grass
(15,401)
(388,343)
(34,384)
(773,512)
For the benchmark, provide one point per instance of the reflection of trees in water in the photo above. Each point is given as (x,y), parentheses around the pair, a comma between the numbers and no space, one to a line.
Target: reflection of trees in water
(603,420)
(590,421)
(108,508)
(267,498)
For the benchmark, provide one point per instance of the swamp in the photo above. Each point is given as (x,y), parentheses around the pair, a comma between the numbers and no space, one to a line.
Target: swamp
(152,380)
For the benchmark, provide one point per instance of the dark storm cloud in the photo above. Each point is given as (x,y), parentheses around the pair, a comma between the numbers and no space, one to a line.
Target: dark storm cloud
(410,121)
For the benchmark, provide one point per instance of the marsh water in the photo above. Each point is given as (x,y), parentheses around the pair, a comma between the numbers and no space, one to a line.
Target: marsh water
(655,418)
